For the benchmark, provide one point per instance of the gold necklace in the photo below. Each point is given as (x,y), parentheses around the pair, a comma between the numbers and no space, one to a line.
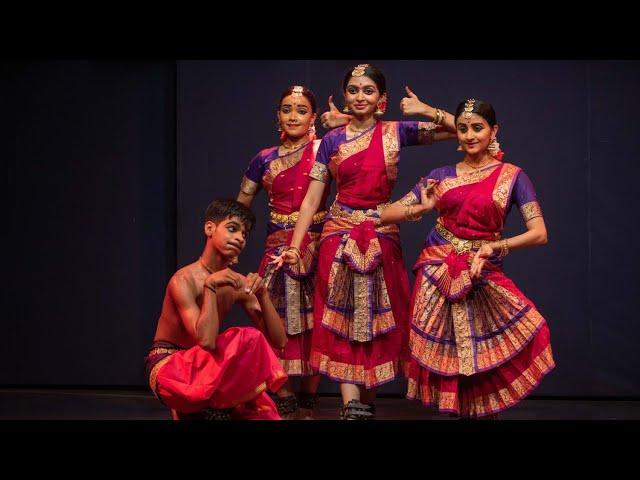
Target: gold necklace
(476,169)
(355,130)
(293,147)
(204,265)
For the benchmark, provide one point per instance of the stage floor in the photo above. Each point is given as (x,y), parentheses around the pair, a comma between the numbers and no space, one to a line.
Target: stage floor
(128,404)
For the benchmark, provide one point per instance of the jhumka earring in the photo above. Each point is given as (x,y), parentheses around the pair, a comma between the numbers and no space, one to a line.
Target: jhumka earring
(493,147)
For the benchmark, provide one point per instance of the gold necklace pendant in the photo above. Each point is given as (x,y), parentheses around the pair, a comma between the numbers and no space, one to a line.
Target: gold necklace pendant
(293,147)
(205,266)
(474,167)
(355,130)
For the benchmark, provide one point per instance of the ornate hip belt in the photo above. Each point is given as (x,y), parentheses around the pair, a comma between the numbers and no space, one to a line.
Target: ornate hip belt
(292,218)
(460,245)
(356,216)
(160,350)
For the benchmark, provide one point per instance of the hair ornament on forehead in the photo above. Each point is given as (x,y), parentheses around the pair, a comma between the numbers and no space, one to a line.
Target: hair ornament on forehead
(359,70)
(468,108)
(297,90)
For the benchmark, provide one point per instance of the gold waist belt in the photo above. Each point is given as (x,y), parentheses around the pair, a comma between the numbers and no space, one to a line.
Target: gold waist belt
(292,218)
(160,350)
(358,216)
(460,245)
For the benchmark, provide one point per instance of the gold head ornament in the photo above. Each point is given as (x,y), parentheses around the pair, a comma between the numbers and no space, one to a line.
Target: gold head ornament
(468,108)
(359,70)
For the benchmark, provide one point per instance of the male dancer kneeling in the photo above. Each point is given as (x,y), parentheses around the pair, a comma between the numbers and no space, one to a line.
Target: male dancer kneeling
(196,371)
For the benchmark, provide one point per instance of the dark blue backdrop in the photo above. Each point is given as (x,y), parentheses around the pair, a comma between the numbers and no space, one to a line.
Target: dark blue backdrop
(111,165)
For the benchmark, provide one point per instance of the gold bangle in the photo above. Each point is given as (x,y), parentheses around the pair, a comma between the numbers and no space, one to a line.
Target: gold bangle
(296,251)
(438,117)
(406,212)
(504,248)
(409,215)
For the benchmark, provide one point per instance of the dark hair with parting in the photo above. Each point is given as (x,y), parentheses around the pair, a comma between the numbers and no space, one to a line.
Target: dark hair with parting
(374,73)
(222,208)
(305,91)
(482,108)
